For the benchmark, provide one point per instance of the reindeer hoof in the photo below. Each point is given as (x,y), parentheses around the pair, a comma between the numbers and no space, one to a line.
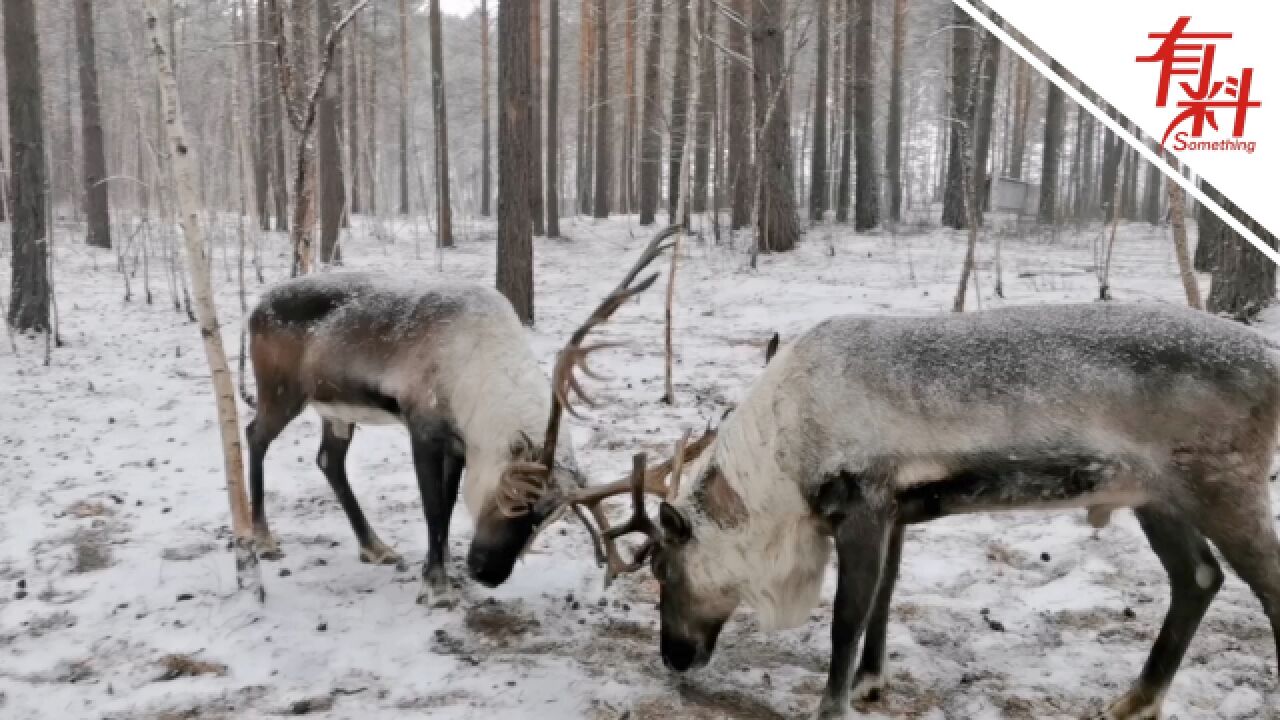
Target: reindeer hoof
(1133,706)
(832,709)
(438,595)
(268,547)
(378,553)
(868,688)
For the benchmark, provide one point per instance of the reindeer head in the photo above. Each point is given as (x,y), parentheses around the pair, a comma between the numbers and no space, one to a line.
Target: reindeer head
(536,481)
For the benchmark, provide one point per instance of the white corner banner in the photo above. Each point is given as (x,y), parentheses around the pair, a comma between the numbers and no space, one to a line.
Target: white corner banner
(1203,77)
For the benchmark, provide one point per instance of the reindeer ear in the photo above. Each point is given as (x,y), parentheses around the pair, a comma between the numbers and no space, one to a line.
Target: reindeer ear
(674,524)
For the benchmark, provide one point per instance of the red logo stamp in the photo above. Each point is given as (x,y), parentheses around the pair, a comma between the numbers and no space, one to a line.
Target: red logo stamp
(1191,55)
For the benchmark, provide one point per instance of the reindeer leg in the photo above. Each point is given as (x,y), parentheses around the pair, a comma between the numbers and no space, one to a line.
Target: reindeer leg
(1194,578)
(438,472)
(862,541)
(332,460)
(868,682)
(275,412)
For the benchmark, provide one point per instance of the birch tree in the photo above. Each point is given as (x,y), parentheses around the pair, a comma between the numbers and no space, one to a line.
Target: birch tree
(182,154)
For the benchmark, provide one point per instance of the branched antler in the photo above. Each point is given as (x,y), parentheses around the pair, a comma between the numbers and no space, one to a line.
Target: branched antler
(525,483)
(641,481)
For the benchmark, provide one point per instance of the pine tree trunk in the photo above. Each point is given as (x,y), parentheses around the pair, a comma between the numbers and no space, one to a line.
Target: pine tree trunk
(261,113)
(844,192)
(818,157)
(279,175)
(1151,199)
(603,176)
(1244,280)
(444,207)
(1112,152)
(739,143)
(29,291)
(1178,224)
(552,186)
(1084,194)
(537,212)
(1021,118)
(953,199)
(984,120)
(629,197)
(651,122)
(777,223)
(515,81)
(893,141)
(182,152)
(537,207)
(486,179)
(95,159)
(867,182)
(679,108)
(353,118)
(706,109)
(404,108)
(1053,126)
(586,118)
(329,147)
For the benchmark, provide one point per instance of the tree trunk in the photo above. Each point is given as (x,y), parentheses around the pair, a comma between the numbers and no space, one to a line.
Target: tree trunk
(1021,118)
(818,157)
(844,192)
(95,159)
(536,210)
(486,180)
(739,113)
(600,196)
(353,119)
(1151,199)
(777,223)
(279,175)
(29,291)
(329,147)
(1178,224)
(444,208)
(651,122)
(984,119)
(679,109)
(182,154)
(586,118)
(629,193)
(1244,280)
(706,109)
(515,241)
(404,108)
(953,199)
(893,141)
(552,186)
(1053,122)
(261,113)
(1084,195)
(867,182)
(1112,153)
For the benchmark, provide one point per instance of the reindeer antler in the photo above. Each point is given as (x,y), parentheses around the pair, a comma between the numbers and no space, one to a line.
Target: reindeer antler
(524,483)
(642,480)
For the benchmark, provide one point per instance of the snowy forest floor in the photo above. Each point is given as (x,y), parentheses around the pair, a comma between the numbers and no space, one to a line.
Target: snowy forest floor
(116,589)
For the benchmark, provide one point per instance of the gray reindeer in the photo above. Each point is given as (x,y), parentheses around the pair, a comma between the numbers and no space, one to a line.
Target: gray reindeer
(864,425)
(451,364)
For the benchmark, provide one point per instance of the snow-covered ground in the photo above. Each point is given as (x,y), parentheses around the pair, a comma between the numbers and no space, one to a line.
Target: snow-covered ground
(115,582)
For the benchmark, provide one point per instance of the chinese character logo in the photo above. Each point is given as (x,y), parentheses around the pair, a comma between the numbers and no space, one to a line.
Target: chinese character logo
(1190,55)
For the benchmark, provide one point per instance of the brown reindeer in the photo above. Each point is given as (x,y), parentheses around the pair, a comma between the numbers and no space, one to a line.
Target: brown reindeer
(864,425)
(449,362)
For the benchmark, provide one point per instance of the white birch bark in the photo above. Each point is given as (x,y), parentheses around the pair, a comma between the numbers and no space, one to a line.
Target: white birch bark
(182,155)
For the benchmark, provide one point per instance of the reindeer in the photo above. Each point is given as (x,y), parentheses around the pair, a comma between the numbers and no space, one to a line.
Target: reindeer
(864,425)
(451,364)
